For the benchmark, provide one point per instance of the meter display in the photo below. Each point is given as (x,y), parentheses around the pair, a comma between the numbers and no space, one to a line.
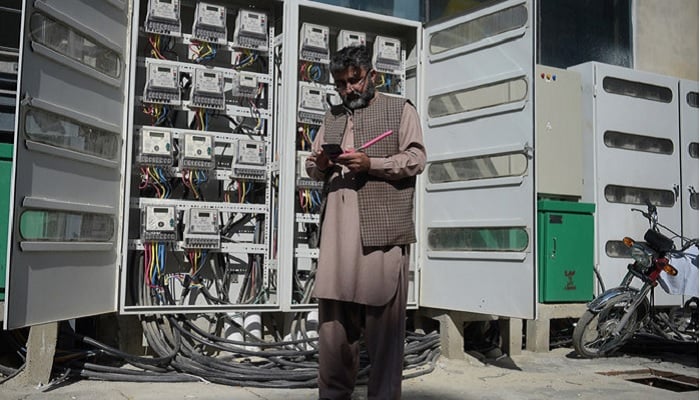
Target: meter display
(155,148)
(351,38)
(209,23)
(208,89)
(387,54)
(197,151)
(250,159)
(158,224)
(312,103)
(201,229)
(251,29)
(314,43)
(163,17)
(161,83)
(246,85)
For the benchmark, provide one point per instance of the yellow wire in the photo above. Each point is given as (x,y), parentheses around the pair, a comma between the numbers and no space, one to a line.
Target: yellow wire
(194,188)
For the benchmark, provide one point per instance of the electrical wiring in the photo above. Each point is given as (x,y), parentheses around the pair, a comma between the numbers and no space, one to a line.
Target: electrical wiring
(202,51)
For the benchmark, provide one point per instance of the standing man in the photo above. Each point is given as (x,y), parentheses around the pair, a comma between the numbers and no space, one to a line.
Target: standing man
(366,229)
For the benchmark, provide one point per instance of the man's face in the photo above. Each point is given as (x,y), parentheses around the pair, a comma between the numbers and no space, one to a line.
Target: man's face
(355,86)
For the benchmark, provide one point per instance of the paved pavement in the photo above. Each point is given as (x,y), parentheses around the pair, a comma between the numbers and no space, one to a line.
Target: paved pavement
(558,374)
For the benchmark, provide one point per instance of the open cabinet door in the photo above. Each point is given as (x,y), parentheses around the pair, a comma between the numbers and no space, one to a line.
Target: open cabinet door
(477,225)
(64,237)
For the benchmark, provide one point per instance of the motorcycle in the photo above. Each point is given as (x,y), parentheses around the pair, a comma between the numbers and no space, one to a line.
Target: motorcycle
(617,314)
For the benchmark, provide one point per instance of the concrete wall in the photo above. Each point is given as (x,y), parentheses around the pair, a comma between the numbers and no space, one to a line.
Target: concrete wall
(666,37)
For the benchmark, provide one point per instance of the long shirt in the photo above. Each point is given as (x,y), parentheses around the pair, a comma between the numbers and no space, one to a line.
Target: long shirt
(347,271)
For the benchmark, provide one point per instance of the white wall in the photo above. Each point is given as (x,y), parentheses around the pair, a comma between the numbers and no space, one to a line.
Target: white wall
(666,37)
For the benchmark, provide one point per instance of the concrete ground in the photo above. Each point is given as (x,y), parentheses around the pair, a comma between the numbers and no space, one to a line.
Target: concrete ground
(558,374)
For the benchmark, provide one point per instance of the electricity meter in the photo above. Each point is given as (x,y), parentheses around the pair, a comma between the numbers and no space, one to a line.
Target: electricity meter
(163,17)
(251,29)
(250,159)
(208,89)
(387,54)
(161,83)
(314,43)
(197,151)
(350,38)
(155,147)
(245,85)
(209,23)
(312,103)
(158,224)
(201,229)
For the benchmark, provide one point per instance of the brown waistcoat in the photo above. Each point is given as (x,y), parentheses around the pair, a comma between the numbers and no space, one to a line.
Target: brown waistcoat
(386,207)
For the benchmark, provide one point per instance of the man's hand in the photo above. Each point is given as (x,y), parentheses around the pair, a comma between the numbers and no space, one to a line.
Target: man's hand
(322,162)
(356,161)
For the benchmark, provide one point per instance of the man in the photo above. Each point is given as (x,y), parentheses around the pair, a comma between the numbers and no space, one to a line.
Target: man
(366,229)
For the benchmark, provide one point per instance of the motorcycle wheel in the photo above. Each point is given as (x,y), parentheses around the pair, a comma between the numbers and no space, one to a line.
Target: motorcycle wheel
(593,335)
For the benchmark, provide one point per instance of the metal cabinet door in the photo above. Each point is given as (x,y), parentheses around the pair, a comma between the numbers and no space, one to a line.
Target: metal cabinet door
(67,177)
(688,99)
(476,222)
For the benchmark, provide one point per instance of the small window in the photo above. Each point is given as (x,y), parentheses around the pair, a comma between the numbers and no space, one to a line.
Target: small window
(637,89)
(617,249)
(474,168)
(478,29)
(694,200)
(635,195)
(478,239)
(692,99)
(477,98)
(59,131)
(64,226)
(74,45)
(693,149)
(628,141)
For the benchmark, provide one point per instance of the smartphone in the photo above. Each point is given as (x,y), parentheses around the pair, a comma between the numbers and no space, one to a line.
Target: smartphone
(332,150)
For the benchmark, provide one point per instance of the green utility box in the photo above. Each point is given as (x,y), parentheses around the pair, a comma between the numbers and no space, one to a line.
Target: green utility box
(5,178)
(565,245)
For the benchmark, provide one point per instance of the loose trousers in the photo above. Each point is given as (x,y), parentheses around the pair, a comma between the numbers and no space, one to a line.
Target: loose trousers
(383,327)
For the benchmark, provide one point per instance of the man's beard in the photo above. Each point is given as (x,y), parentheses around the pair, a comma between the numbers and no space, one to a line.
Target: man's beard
(355,100)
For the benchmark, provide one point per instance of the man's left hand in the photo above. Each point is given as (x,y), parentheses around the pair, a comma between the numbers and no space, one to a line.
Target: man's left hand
(356,161)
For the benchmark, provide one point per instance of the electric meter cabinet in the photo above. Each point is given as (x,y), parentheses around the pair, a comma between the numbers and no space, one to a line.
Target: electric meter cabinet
(351,38)
(387,54)
(161,83)
(208,89)
(209,23)
(196,151)
(250,160)
(155,147)
(251,30)
(201,229)
(163,17)
(314,43)
(158,224)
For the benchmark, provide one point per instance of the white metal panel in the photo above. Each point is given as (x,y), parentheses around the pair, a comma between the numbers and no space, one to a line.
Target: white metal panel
(66,276)
(688,101)
(489,282)
(607,165)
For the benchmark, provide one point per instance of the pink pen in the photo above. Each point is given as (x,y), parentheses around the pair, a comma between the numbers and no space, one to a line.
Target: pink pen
(375,140)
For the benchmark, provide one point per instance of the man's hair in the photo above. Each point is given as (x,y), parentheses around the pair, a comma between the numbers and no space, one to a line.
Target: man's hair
(351,56)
